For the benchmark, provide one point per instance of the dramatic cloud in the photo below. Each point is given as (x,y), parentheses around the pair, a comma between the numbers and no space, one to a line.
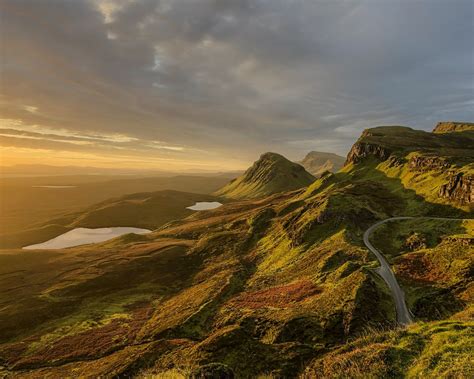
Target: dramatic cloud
(217,82)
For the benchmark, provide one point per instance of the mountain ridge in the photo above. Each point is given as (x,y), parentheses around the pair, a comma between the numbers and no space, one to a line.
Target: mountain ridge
(446,160)
(452,126)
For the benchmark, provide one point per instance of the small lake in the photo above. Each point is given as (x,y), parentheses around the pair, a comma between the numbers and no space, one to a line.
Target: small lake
(82,236)
(204,205)
(54,186)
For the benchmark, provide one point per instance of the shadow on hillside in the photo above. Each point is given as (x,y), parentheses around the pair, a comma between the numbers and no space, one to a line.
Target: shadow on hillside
(411,203)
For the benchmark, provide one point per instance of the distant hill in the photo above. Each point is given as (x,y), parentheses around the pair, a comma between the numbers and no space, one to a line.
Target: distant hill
(31,203)
(34,170)
(317,162)
(148,210)
(271,174)
(451,126)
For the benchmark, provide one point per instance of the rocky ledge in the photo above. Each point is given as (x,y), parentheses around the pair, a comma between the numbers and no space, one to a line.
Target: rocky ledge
(428,162)
(362,150)
(460,188)
(451,126)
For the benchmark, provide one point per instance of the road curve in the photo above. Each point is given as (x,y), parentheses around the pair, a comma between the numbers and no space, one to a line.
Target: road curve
(404,316)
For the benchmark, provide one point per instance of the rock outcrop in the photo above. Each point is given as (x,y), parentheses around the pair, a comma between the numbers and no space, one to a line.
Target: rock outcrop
(460,188)
(451,126)
(428,162)
(362,150)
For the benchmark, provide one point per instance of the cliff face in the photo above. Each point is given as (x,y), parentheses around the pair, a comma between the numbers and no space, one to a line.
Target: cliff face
(451,126)
(362,150)
(426,163)
(460,188)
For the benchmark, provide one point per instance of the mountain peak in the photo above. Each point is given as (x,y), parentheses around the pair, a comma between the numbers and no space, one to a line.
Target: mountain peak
(269,156)
(317,162)
(271,173)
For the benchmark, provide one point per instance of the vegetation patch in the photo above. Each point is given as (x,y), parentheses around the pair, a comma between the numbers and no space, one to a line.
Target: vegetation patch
(280,297)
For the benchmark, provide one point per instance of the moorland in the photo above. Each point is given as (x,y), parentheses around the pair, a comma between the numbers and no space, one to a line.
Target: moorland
(275,283)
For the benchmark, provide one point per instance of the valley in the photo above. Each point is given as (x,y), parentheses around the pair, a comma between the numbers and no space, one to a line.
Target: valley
(26,202)
(292,274)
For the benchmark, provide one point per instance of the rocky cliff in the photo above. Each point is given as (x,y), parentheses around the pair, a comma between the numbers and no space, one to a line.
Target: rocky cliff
(417,158)
(460,188)
(451,126)
(362,150)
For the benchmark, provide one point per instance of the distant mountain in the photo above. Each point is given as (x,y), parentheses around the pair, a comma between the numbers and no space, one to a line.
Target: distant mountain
(451,126)
(271,174)
(317,162)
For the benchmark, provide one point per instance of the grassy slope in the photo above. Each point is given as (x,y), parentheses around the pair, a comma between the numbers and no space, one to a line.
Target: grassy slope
(273,293)
(410,151)
(436,275)
(440,349)
(434,261)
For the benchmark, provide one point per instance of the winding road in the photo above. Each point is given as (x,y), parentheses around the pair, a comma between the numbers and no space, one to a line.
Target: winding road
(404,316)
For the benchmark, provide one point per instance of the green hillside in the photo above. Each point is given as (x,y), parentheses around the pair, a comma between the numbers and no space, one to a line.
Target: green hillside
(279,286)
(271,174)
(437,167)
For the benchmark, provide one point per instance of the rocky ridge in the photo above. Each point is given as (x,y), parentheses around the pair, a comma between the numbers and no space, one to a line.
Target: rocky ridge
(460,187)
(451,126)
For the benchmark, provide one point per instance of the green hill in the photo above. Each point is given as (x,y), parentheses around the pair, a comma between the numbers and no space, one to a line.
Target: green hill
(317,163)
(438,167)
(271,174)
(278,287)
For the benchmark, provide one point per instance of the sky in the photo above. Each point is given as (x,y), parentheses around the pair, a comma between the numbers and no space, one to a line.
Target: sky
(212,84)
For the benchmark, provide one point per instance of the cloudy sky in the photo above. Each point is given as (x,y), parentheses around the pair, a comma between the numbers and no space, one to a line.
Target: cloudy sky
(212,84)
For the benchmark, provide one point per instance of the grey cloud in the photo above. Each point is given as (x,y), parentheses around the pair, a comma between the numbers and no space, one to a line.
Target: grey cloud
(238,77)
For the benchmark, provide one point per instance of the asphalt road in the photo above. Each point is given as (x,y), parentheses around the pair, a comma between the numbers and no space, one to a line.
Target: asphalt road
(404,316)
